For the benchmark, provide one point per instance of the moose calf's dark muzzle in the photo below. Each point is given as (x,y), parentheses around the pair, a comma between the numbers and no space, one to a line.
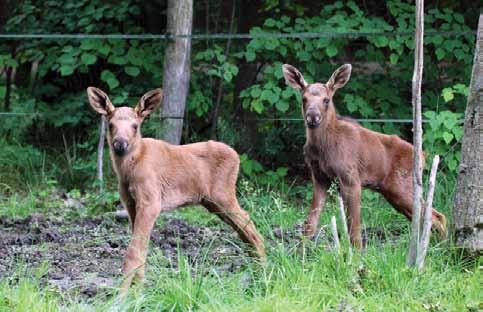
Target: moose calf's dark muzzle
(312,119)
(120,146)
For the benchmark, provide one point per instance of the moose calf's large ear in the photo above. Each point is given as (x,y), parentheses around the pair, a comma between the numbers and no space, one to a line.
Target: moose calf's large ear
(340,77)
(99,101)
(149,102)
(293,77)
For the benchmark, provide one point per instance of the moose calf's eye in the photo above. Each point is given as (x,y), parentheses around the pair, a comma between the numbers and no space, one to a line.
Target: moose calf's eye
(135,126)
(326,101)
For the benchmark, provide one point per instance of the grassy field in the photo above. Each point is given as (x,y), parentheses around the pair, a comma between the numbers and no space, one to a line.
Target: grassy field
(296,277)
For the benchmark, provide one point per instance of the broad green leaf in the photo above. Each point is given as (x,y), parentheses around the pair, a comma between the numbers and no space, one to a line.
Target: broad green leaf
(118,60)
(459,18)
(282,106)
(88,58)
(250,55)
(287,93)
(331,51)
(270,96)
(429,114)
(89,44)
(104,49)
(437,40)
(227,76)
(255,92)
(458,133)
(66,58)
(135,56)
(448,94)
(448,137)
(257,106)
(66,70)
(110,79)
(132,71)
(440,53)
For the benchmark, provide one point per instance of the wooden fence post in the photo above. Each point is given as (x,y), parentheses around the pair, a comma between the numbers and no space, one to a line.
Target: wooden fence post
(176,74)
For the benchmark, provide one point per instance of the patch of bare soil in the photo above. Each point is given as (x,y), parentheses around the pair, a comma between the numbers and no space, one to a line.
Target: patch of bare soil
(84,255)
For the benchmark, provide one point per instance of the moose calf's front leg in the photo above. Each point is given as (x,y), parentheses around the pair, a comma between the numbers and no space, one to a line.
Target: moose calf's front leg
(135,258)
(128,203)
(318,201)
(351,195)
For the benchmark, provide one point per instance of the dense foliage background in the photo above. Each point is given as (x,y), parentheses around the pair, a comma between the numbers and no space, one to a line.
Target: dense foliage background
(48,77)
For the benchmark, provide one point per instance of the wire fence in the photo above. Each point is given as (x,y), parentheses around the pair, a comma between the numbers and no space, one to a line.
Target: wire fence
(368,120)
(225,36)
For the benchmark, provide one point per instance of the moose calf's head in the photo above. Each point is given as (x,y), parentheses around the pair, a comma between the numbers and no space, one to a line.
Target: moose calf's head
(317,105)
(124,122)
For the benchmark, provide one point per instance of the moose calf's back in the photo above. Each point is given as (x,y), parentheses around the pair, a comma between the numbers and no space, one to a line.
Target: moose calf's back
(194,169)
(351,150)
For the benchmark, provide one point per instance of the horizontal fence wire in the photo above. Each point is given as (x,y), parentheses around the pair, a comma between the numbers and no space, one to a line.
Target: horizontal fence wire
(369,120)
(223,36)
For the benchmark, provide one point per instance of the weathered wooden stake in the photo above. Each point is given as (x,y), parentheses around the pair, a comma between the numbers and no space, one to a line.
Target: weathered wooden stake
(343,219)
(100,154)
(417,134)
(333,226)
(428,216)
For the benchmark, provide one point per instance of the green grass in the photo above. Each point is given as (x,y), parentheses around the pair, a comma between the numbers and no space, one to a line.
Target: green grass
(294,278)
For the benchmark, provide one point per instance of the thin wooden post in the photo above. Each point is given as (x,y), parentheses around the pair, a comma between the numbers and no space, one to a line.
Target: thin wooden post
(428,216)
(333,226)
(343,219)
(417,134)
(100,154)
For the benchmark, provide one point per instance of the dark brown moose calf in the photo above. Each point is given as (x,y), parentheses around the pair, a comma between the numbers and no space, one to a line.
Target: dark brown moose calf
(337,148)
(155,176)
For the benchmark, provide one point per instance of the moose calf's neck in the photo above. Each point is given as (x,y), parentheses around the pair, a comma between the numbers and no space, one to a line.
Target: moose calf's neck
(320,138)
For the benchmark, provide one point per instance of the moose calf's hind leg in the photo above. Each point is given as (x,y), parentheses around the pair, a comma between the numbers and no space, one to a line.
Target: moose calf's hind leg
(402,200)
(440,224)
(231,213)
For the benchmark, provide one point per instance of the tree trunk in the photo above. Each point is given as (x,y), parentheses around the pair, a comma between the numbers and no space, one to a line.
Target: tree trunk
(176,75)
(467,212)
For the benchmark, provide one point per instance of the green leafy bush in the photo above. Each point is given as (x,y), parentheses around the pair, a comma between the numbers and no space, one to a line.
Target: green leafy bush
(258,113)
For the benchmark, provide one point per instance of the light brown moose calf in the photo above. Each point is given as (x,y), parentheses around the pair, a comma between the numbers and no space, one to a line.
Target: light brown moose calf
(155,176)
(338,148)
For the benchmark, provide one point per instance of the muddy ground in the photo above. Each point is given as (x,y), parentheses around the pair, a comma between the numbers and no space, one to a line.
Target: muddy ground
(84,255)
